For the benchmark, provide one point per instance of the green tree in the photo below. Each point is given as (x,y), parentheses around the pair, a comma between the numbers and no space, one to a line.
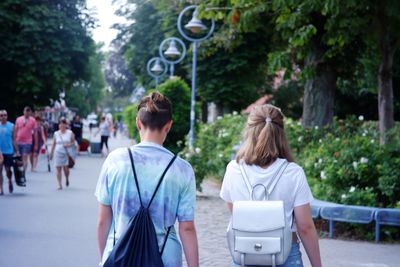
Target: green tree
(86,95)
(141,38)
(45,48)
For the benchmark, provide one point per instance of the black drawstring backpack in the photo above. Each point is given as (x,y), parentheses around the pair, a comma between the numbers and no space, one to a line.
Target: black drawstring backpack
(138,246)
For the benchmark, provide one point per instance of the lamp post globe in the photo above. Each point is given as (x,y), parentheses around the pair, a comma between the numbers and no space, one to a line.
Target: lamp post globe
(195,25)
(155,69)
(172,55)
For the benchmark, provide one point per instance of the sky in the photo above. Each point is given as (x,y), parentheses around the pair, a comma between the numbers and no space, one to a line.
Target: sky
(104,12)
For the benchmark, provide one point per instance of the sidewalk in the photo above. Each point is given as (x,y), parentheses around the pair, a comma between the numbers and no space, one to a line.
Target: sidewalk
(40,226)
(212,218)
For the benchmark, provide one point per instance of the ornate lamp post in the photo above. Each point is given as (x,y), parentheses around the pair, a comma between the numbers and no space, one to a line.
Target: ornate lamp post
(196,26)
(155,70)
(172,55)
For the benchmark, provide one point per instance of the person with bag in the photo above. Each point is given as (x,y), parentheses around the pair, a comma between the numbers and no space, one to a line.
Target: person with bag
(62,140)
(142,190)
(264,172)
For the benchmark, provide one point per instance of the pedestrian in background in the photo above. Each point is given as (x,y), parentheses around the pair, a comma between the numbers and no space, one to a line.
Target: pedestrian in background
(77,127)
(8,148)
(25,135)
(62,140)
(175,200)
(264,150)
(105,128)
(41,137)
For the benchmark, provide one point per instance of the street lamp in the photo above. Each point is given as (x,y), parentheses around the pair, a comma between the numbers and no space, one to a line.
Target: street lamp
(155,70)
(196,26)
(172,55)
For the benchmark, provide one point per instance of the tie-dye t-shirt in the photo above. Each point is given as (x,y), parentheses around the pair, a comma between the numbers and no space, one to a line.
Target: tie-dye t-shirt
(175,199)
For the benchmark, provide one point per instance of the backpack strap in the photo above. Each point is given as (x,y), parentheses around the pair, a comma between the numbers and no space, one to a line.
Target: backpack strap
(161,179)
(154,194)
(267,189)
(275,180)
(135,176)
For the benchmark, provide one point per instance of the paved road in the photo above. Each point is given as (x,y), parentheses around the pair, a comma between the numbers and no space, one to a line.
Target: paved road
(40,226)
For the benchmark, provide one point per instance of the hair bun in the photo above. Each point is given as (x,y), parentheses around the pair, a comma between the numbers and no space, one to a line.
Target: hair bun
(151,105)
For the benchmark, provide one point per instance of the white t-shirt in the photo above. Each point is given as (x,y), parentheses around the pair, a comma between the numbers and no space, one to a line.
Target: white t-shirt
(292,187)
(61,140)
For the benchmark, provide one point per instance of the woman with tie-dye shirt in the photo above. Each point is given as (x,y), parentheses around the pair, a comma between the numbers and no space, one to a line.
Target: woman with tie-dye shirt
(175,199)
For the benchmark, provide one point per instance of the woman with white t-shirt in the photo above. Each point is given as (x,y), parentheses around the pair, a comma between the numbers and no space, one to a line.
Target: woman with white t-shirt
(62,140)
(264,149)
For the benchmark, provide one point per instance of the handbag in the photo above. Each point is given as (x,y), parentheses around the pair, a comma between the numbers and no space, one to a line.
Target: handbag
(71,161)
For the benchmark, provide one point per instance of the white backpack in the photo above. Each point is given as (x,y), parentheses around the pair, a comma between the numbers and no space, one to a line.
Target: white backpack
(259,233)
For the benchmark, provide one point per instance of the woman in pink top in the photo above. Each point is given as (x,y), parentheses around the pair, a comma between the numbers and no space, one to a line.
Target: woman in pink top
(25,134)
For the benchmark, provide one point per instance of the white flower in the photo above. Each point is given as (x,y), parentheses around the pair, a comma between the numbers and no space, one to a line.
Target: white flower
(352,189)
(197,150)
(220,155)
(364,134)
(363,160)
(316,127)
(372,141)
(187,155)
(315,165)
(299,123)
(323,175)
(224,134)
(334,160)
(300,138)
(219,118)
(361,118)
(320,140)
(235,113)
(320,161)
(344,196)
(355,165)
(337,139)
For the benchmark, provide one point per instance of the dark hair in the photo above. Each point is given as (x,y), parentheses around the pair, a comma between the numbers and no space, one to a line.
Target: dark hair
(27,109)
(62,120)
(154,111)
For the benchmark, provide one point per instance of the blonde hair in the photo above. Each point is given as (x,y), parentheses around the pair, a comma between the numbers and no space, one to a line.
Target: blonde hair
(264,137)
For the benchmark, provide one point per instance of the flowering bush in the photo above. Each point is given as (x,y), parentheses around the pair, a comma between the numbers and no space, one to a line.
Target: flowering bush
(215,146)
(344,163)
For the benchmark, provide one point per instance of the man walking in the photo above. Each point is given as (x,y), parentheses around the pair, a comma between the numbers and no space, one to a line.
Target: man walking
(76,128)
(25,129)
(7,147)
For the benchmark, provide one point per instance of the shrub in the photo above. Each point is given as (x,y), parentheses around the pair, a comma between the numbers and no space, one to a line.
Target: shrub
(344,163)
(215,146)
(129,117)
(179,93)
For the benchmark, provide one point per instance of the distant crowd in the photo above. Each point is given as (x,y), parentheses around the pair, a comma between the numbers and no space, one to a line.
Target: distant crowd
(27,138)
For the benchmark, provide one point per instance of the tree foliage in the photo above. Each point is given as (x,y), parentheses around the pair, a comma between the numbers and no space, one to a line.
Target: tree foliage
(45,48)
(119,78)
(86,95)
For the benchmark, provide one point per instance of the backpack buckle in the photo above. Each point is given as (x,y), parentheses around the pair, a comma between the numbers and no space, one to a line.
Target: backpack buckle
(257,247)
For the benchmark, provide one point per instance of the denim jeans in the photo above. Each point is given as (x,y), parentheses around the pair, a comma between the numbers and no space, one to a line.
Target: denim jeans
(294,259)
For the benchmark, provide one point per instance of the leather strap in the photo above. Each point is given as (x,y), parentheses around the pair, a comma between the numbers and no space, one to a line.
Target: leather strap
(272,183)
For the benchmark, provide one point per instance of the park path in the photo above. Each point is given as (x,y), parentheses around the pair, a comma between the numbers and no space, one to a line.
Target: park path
(40,226)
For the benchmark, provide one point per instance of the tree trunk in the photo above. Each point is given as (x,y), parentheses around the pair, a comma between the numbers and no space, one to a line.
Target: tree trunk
(385,88)
(319,94)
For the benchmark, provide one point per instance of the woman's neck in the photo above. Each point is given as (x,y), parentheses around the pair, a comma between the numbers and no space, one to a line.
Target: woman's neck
(152,136)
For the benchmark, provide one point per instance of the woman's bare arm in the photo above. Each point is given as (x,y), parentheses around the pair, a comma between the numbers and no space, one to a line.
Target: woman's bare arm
(103,227)
(187,233)
(308,234)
